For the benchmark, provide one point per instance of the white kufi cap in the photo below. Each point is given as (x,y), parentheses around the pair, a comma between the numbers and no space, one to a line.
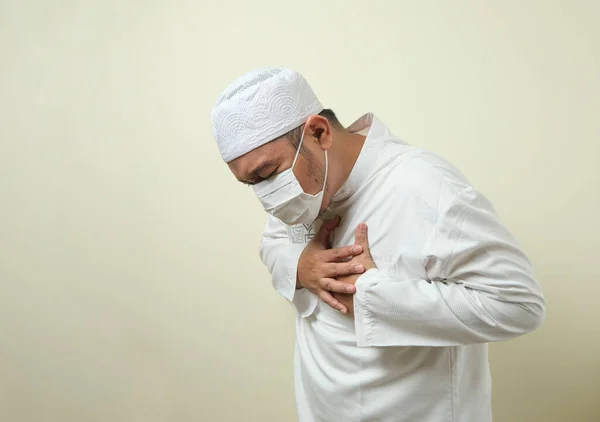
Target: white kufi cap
(259,107)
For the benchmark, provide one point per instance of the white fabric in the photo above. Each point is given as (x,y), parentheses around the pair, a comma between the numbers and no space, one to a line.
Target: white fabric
(450,279)
(282,196)
(259,107)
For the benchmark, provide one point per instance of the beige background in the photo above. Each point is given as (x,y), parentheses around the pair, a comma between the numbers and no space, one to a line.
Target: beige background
(130,283)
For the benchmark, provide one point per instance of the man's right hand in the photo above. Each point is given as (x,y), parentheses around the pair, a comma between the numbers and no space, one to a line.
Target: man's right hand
(319,265)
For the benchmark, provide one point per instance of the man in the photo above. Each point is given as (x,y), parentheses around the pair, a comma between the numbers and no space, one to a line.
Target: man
(405,282)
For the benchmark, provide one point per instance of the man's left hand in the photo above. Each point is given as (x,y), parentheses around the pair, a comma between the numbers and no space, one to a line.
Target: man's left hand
(364,258)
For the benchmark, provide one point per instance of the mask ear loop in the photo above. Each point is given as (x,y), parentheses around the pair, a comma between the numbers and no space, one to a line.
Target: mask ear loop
(299,146)
(298,153)
(326,171)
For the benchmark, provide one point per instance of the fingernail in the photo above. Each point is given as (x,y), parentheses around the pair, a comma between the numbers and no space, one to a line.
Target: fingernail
(359,268)
(343,310)
(350,289)
(357,249)
(362,226)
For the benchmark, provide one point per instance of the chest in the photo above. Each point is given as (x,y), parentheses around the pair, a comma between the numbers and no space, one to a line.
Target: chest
(400,225)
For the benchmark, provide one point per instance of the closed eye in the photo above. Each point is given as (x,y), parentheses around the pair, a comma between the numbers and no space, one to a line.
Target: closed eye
(263,178)
(258,176)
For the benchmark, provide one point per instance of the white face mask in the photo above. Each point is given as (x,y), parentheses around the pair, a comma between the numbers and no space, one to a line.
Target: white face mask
(283,197)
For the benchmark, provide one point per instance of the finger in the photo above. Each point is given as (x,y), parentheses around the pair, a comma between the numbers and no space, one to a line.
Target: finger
(331,301)
(323,234)
(361,236)
(334,270)
(335,286)
(340,254)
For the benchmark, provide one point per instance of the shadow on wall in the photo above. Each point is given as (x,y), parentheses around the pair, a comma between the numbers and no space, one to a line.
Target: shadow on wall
(553,374)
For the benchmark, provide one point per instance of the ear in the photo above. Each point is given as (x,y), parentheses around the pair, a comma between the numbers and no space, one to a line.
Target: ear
(319,128)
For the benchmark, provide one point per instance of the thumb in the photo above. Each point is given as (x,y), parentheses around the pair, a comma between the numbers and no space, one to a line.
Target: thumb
(361,237)
(323,234)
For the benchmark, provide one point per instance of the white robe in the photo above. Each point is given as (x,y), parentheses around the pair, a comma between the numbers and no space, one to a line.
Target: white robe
(449,279)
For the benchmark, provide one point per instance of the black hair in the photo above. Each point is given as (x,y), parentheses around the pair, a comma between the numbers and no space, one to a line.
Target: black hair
(330,115)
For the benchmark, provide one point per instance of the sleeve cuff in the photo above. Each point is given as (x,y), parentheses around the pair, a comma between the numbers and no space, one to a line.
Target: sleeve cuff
(304,301)
(363,316)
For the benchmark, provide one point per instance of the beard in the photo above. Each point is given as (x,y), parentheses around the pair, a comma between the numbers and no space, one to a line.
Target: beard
(316,171)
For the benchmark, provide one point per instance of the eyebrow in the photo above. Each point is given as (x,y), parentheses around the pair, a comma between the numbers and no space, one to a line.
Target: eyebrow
(253,176)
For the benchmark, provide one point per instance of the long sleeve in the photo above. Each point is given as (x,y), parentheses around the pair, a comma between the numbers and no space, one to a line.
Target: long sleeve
(479,287)
(280,256)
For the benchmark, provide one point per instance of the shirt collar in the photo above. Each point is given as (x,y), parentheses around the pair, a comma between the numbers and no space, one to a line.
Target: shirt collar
(376,135)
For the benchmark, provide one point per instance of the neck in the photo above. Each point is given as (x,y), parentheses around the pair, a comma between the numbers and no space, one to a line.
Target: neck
(343,155)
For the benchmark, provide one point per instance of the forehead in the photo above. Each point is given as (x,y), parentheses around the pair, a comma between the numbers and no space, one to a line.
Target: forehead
(273,152)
